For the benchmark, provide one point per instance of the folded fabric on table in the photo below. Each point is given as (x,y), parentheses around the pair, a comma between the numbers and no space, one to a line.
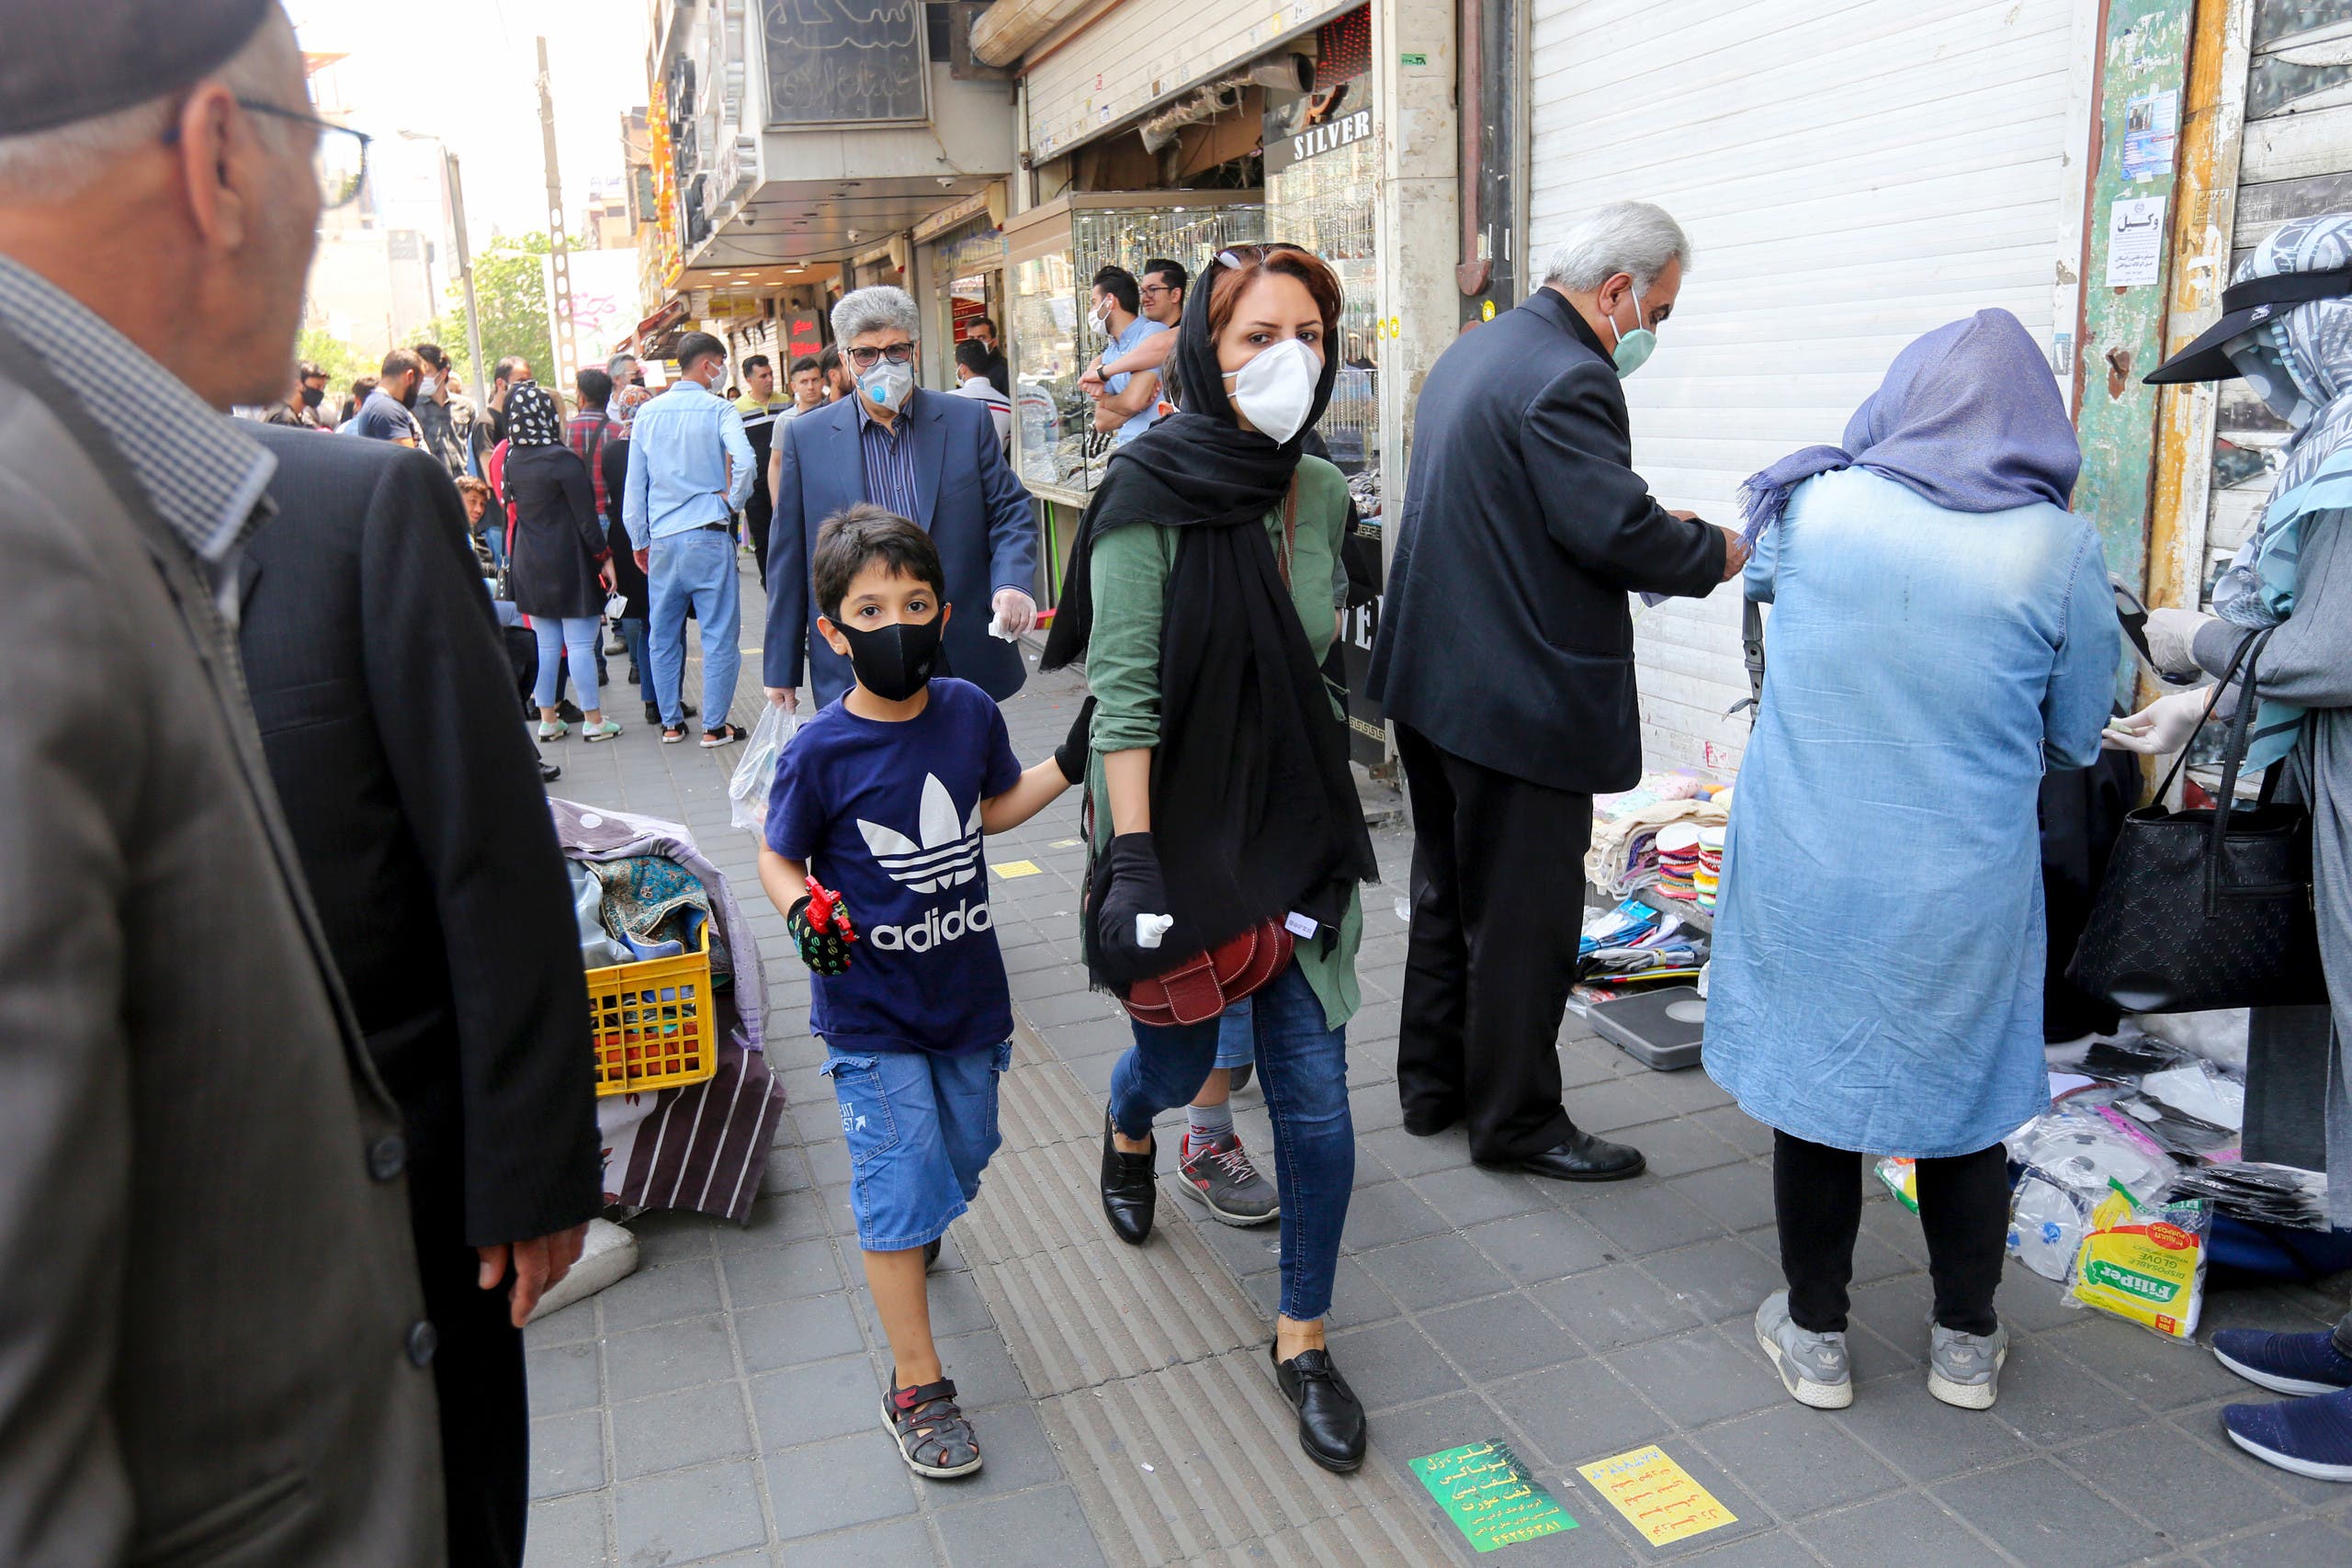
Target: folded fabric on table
(1623,857)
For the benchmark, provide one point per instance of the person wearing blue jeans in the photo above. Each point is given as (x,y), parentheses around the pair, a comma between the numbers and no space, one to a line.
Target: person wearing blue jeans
(690,467)
(576,636)
(634,638)
(1217,1169)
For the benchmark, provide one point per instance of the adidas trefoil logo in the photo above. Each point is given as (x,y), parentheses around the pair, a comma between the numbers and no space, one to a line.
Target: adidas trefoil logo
(949,854)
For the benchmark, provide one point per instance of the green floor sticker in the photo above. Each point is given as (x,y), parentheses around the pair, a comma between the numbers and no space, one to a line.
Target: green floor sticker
(1490,1496)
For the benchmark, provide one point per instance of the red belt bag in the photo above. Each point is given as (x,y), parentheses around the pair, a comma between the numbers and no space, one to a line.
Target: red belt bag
(1206,984)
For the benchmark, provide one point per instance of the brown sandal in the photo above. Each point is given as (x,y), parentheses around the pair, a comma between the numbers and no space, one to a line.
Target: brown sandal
(933,1436)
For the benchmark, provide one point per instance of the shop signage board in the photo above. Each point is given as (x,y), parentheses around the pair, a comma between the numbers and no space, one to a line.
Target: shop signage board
(1301,129)
(851,65)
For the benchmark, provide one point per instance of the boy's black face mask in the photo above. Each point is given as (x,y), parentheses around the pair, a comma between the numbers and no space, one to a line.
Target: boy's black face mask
(893,662)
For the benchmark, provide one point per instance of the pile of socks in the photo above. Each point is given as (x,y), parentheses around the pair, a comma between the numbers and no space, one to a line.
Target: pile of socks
(1708,879)
(1677,861)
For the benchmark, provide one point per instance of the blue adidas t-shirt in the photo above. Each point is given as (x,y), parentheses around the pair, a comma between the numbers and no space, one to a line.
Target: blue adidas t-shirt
(888,816)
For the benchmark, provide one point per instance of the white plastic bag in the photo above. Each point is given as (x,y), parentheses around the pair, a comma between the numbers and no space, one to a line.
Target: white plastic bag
(756,774)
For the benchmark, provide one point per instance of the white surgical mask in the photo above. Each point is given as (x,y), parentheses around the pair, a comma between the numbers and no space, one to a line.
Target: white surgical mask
(1099,318)
(887,385)
(1275,391)
(426,386)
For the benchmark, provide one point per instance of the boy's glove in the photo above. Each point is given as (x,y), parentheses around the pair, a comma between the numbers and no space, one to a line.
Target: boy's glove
(1070,755)
(820,928)
(1133,916)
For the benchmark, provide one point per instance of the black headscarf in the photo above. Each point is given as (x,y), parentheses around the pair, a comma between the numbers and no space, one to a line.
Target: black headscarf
(1253,810)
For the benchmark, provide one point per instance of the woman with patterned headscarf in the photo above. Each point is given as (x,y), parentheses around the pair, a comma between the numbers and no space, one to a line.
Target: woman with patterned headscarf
(2286,329)
(562,567)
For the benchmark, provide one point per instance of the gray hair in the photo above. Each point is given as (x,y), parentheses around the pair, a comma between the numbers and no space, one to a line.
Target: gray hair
(1633,237)
(62,160)
(871,310)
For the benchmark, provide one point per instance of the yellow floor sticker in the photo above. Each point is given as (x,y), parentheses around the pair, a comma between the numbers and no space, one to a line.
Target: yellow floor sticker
(1065,843)
(1657,1495)
(1013,868)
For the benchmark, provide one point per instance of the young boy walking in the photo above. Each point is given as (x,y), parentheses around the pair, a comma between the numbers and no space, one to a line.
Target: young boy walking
(873,853)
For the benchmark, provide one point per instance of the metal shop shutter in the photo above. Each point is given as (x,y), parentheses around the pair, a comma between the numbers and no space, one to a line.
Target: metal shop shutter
(1851,175)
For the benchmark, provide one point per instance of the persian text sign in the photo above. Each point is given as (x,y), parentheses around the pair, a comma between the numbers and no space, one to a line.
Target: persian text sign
(1657,1495)
(1487,1493)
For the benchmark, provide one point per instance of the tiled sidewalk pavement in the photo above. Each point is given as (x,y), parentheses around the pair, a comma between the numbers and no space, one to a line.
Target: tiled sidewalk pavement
(720,1405)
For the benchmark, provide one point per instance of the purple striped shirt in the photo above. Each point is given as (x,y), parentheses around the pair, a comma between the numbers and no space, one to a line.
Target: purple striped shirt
(890,460)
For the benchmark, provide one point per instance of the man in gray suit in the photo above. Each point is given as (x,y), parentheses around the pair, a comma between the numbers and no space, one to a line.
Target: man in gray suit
(216,1348)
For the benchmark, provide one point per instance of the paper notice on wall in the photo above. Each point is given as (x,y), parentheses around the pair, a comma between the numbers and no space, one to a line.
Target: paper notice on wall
(2150,127)
(2135,242)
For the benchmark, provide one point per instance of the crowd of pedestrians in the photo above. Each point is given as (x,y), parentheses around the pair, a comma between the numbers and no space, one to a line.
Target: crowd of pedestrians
(302,1125)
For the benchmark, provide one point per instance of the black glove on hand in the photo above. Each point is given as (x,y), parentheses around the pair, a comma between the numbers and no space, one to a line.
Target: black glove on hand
(1132,887)
(825,951)
(1070,755)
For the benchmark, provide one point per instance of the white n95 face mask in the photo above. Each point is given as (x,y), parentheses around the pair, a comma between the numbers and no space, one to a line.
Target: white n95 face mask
(887,384)
(1275,391)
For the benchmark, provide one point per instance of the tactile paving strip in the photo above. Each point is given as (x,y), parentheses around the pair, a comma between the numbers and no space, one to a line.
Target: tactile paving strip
(1149,1364)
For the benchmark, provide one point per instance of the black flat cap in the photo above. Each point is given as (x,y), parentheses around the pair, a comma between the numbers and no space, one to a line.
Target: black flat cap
(72,60)
(2245,306)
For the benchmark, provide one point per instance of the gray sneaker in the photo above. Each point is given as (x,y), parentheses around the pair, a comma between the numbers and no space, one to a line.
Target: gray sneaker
(1966,1368)
(1814,1367)
(1222,1176)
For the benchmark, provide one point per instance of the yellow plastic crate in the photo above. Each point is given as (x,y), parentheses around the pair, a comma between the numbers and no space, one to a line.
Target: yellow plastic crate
(655,1021)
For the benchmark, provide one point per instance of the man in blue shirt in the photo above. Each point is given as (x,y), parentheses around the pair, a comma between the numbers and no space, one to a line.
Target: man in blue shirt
(1130,400)
(690,466)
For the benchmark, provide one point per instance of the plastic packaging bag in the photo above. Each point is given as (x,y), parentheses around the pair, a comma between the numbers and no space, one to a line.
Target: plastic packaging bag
(2144,1265)
(1900,1174)
(2046,1226)
(757,772)
(2083,1151)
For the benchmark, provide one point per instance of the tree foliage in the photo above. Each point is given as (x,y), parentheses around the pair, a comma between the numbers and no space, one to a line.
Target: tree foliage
(510,292)
(342,362)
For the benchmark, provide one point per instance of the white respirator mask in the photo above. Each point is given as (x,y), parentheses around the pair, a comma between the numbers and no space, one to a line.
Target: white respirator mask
(1275,391)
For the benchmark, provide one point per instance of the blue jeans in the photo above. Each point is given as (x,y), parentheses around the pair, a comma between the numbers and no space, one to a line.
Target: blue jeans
(1236,1034)
(920,1126)
(1303,1066)
(578,634)
(633,635)
(696,568)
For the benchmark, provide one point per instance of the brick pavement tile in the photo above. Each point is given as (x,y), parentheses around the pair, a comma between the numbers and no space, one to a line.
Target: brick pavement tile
(1898,1420)
(1699,1376)
(848,1481)
(787,1171)
(828,1163)
(1578,1412)
(1245,1249)
(1549,1244)
(567,1454)
(1436,1270)
(1094,1071)
(2283,1546)
(955,1307)
(1372,1107)
(898,1543)
(689,1427)
(1640,1216)
(1403,1435)
(1467,1194)
(666,1294)
(1795,1461)
(1859,1538)
(980,1365)
(1891,1224)
(1040,1527)
(2053,1401)
(1392,1363)
(1774,1549)
(1722,1279)
(783,1273)
(1875,1261)
(1500,1336)
(1386,1213)
(1357,1298)
(824,1399)
(674,1355)
(1615,1305)
(1737,1128)
(2175,1483)
(1017,1451)
(1679,1147)
(1375,1021)
(572,1326)
(688,1514)
(2157,1374)
(1370,1066)
(1410,1156)
(669,1237)
(775,1222)
(2038,1512)
(2030,1303)
(1614,1107)
(1071,1007)
(563,1377)
(566,1533)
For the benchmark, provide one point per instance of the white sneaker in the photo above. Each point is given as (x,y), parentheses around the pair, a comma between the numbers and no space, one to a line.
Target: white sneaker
(1814,1367)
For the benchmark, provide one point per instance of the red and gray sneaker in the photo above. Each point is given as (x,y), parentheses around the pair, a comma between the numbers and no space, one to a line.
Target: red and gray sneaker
(1221,1176)
(932,1433)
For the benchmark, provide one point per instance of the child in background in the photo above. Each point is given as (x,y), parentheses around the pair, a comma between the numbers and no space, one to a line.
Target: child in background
(876,814)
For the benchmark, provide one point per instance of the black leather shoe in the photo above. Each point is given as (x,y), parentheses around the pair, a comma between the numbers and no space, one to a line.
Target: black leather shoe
(930,1252)
(1330,1418)
(549,772)
(653,712)
(1580,1156)
(1129,1191)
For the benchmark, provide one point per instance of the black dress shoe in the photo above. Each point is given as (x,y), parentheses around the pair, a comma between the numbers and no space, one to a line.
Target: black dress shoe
(568,711)
(653,712)
(1580,1156)
(549,772)
(1431,1126)
(931,1253)
(1330,1418)
(1129,1191)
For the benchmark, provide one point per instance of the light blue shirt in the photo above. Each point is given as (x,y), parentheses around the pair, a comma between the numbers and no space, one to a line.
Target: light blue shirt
(1138,330)
(680,452)
(1878,965)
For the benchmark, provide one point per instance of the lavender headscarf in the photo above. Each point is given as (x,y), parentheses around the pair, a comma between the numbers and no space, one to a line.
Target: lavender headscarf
(1969,417)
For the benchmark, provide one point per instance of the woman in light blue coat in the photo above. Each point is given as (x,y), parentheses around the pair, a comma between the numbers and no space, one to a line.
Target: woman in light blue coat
(1942,633)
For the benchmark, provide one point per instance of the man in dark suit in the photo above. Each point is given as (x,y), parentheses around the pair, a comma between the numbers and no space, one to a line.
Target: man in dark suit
(928,457)
(387,717)
(1505,658)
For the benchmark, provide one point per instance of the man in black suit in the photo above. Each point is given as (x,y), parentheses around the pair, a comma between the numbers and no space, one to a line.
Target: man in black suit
(387,715)
(1505,657)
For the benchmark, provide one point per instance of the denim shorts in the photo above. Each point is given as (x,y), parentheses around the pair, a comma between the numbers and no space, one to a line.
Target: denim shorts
(920,1128)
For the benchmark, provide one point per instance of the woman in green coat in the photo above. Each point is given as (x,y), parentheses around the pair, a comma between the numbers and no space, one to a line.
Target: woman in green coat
(1200,592)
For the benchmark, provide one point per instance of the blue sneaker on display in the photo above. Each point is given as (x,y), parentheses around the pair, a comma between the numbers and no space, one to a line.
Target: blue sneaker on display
(2311,1436)
(2284,1363)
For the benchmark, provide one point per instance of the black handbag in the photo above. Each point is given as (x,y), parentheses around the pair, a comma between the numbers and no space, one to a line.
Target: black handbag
(2207,908)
